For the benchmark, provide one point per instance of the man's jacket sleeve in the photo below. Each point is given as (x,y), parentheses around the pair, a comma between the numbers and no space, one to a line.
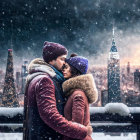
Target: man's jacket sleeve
(46,102)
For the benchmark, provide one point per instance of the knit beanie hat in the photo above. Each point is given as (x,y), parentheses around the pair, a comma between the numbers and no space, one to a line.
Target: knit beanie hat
(78,62)
(53,50)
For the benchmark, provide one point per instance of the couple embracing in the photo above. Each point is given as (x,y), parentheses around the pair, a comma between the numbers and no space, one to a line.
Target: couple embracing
(57,96)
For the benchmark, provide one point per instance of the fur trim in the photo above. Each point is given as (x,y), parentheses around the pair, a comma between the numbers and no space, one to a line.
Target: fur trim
(31,76)
(85,83)
(38,65)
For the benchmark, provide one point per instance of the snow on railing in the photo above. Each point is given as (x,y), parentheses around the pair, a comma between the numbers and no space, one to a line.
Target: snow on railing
(11,112)
(115,108)
(114,117)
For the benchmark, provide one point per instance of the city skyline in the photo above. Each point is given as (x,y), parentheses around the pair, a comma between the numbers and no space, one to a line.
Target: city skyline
(100,80)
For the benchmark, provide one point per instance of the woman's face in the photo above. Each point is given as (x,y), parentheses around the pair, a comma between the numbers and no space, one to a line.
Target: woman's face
(66,71)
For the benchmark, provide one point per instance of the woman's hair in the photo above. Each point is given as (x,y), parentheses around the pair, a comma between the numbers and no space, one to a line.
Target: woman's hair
(73,55)
(74,71)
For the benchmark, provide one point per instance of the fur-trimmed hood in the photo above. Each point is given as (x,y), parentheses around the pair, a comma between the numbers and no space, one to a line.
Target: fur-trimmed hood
(37,67)
(85,83)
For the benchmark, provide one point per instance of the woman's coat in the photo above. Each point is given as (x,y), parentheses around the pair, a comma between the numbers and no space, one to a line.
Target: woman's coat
(80,91)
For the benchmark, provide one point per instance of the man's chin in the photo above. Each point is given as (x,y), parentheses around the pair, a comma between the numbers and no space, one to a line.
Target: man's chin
(58,68)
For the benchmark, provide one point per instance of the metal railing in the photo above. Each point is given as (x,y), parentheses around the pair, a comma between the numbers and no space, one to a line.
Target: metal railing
(11,121)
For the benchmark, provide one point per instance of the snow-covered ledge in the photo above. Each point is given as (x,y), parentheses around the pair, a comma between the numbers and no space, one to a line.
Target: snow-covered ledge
(115,108)
(11,112)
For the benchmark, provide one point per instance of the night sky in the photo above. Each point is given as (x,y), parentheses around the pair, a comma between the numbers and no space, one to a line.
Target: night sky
(83,26)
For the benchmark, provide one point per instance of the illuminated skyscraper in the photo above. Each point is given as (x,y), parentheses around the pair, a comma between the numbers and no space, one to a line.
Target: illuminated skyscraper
(113,74)
(9,96)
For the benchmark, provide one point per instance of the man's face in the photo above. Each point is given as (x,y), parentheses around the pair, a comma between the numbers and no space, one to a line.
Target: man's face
(59,62)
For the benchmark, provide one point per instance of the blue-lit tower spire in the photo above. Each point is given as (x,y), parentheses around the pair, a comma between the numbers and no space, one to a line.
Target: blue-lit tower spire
(113,73)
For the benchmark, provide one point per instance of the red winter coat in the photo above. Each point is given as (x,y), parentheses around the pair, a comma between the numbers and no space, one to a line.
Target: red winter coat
(41,106)
(80,91)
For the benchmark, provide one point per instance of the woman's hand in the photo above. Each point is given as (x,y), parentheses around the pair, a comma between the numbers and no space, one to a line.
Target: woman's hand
(90,130)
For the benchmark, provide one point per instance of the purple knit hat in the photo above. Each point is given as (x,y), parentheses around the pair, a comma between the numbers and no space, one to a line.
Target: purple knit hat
(78,62)
(53,50)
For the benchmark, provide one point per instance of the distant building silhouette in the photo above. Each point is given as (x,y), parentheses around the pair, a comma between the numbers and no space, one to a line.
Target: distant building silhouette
(18,81)
(9,97)
(24,74)
(128,68)
(104,97)
(113,74)
(137,79)
(131,98)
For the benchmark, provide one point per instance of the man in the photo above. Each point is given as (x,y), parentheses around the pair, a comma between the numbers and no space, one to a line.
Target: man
(44,104)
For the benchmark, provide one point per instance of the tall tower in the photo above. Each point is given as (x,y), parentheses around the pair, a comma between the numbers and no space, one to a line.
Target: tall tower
(18,82)
(128,68)
(137,79)
(113,74)
(9,98)
(24,74)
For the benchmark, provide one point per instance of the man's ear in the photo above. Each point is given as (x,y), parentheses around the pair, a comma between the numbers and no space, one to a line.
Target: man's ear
(51,62)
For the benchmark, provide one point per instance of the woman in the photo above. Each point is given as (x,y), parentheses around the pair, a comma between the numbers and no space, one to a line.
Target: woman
(80,90)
